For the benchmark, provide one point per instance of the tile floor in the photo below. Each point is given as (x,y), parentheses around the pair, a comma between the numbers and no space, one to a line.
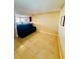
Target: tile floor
(38,45)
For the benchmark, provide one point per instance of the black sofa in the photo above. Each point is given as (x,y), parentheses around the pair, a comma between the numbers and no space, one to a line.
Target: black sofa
(25,29)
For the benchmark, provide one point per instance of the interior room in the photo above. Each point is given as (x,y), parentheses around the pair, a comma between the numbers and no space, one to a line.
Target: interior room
(39,29)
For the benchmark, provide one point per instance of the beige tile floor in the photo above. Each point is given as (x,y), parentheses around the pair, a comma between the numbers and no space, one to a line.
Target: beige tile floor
(38,45)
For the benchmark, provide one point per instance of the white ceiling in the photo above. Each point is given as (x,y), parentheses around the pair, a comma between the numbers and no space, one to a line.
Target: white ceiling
(37,6)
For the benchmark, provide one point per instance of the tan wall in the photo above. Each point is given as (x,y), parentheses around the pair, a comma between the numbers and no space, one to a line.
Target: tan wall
(62,30)
(47,21)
